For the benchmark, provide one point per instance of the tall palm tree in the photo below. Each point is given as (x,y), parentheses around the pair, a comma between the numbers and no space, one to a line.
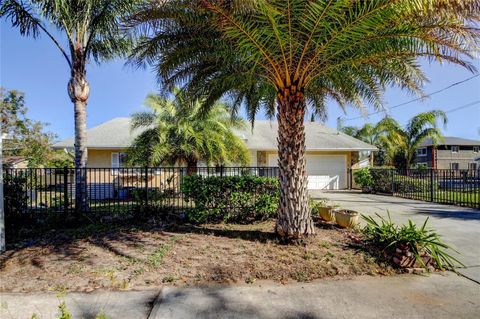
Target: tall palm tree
(91,30)
(179,131)
(419,128)
(290,54)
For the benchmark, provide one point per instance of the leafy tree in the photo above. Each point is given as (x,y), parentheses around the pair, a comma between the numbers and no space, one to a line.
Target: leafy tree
(180,131)
(287,55)
(409,138)
(92,31)
(24,137)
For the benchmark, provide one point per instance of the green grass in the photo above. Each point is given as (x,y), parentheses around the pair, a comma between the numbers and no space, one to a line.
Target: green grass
(470,199)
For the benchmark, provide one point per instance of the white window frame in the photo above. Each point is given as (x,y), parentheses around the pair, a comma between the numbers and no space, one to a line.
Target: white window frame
(115,162)
(476,149)
(455,148)
(422,151)
(474,164)
(458,165)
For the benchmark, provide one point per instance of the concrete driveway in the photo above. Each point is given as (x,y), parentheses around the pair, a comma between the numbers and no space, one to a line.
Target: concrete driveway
(458,226)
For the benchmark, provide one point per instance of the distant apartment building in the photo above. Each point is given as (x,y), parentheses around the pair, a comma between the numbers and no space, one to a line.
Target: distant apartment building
(452,153)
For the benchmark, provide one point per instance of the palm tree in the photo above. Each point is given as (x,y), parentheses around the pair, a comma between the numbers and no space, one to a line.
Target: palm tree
(287,55)
(418,129)
(179,131)
(92,30)
(369,133)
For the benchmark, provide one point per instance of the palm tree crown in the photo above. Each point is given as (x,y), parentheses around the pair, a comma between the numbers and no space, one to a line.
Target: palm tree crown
(179,131)
(414,133)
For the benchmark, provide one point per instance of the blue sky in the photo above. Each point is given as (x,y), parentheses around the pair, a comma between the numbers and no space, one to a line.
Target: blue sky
(36,68)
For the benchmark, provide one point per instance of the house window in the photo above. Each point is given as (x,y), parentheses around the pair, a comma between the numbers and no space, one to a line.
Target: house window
(475,149)
(119,160)
(422,151)
(454,149)
(455,166)
(472,166)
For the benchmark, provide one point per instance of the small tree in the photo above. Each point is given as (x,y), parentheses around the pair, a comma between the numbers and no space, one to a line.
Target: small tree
(180,131)
(24,137)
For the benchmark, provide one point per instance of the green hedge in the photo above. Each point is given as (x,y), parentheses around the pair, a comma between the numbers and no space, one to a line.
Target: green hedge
(240,199)
(379,180)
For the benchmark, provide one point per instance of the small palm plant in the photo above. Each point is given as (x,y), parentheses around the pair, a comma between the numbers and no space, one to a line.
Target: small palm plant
(419,241)
(179,131)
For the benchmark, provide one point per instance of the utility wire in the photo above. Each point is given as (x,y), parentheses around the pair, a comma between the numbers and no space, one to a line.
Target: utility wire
(419,98)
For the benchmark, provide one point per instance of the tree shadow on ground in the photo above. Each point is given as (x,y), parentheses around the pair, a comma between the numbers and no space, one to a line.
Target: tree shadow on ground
(69,243)
(457,213)
(214,303)
(251,235)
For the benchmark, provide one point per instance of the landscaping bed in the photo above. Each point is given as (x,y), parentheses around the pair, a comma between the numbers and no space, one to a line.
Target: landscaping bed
(127,257)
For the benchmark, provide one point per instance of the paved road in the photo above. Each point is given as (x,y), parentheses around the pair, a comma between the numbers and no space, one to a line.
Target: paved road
(435,296)
(459,226)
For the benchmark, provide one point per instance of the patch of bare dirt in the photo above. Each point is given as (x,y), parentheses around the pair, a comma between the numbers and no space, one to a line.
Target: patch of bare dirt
(184,255)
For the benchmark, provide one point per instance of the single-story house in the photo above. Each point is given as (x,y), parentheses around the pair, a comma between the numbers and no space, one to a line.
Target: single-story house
(15,162)
(330,154)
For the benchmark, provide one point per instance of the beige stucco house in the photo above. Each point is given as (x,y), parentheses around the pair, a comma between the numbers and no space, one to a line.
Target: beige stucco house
(330,153)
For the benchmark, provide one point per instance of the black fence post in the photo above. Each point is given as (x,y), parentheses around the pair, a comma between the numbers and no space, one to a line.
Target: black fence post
(393,181)
(146,186)
(432,189)
(350,177)
(65,187)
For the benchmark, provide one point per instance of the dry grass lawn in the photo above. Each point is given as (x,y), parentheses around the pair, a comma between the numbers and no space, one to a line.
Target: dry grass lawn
(133,258)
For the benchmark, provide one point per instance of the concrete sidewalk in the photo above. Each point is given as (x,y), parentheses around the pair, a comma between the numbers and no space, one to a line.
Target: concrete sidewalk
(114,304)
(434,296)
(458,226)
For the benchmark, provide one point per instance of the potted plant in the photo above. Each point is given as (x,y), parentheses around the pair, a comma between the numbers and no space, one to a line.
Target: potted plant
(346,218)
(327,212)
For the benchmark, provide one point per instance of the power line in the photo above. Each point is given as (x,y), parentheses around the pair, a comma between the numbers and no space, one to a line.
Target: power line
(463,106)
(419,98)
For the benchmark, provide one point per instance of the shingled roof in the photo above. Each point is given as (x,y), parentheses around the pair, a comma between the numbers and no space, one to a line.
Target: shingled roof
(116,134)
(452,140)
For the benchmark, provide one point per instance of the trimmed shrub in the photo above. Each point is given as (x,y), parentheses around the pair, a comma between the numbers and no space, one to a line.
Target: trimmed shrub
(239,199)
(382,180)
(363,177)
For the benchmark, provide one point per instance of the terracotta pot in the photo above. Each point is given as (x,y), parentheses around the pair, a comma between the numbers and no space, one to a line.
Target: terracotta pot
(346,218)
(327,214)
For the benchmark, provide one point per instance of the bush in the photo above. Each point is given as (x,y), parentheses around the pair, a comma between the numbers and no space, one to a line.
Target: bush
(382,180)
(241,199)
(15,199)
(417,241)
(407,184)
(363,178)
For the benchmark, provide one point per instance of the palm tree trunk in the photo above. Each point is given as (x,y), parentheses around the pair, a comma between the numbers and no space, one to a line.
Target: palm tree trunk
(371,158)
(294,220)
(78,90)
(192,166)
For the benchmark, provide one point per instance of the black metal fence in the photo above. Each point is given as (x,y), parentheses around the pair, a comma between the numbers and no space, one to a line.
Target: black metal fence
(445,186)
(111,190)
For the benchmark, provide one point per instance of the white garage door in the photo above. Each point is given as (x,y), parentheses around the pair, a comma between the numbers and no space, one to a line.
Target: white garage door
(324,171)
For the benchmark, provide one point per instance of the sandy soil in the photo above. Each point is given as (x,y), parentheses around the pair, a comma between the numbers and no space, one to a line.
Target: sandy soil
(135,258)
